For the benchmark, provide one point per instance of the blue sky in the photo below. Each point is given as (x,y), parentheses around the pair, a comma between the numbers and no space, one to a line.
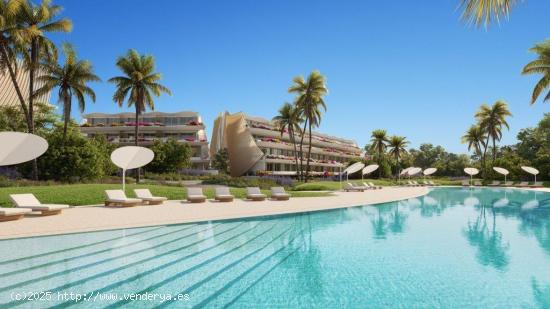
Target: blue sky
(410,67)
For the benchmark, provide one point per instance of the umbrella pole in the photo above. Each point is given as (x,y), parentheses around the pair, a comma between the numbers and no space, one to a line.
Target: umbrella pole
(124,180)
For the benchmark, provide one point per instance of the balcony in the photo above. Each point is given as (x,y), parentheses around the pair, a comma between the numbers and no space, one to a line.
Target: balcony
(145,128)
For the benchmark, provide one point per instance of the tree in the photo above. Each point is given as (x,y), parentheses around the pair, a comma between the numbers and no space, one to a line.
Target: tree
(289,120)
(379,138)
(13,119)
(474,137)
(8,25)
(397,146)
(33,23)
(71,78)
(221,161)
(483,12)
(540,66)
(491,119)
(309,102)
(137,86)
(170,156)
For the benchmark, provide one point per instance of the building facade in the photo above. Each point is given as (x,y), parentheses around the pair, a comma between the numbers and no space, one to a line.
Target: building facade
(185,127)
(255,146)
(8,94)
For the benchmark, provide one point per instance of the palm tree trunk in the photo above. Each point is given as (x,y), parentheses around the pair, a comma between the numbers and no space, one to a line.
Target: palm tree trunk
(66,115)
(379,163)
(293,140)
(484,157)
(34,63)
(308,154)
(301,152)
(13,78)
(136,132)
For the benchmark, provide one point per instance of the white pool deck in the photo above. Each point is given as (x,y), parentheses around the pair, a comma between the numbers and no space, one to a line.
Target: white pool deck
(97,218)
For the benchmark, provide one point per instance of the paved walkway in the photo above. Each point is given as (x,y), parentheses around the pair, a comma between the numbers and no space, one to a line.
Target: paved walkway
(96,218)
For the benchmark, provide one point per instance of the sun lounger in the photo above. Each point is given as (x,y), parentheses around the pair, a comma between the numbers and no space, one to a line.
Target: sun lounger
(508,184)
(254,193)
(279,193)
(222,194)
(410,184)
(416,184)
(31,202)
(478,183)
(374,186)
(146,196)
(351,187)
(194,195)
(432,183)
(465,183)
(495,183)
(523,184)
(368,186)
(537,184)
(118,198)
(10,214)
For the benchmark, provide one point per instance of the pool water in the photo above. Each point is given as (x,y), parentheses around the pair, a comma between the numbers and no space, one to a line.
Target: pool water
(453,248)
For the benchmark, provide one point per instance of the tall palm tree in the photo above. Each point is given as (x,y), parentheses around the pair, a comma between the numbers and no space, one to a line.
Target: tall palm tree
(474,137)
(483,12)
(540,66)
(289,119)
(138,85)
(491,120)
(71,78)
(378,140)
(9,10)
(397,146)
(309,102)
(33,23)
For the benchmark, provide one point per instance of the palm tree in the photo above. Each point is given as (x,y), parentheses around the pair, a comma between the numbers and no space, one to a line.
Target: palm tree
(474,137)
(540,66)
(8,24)
(491,119)
(289,120)
(483,12)
(309,102)
(379,138)
(138,85)
(71,78)
(33,22)
(397,146)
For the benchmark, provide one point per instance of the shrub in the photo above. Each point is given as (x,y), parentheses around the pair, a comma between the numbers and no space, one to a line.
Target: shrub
(311,187)
(170,156)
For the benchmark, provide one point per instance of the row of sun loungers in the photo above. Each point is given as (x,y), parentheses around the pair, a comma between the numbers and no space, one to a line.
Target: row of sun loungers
(416,184)
(523,184)
(28,203)
(348,187)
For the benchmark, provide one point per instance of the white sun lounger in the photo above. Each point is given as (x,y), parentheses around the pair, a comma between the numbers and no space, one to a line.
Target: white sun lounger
(538,184)
(350,187)
(465,183)
(222,194)
(432,183)
(146,196)
(279,193)
(195,195)
(118,198)
(372,185)
(10,214)
(254,193)
(29,201)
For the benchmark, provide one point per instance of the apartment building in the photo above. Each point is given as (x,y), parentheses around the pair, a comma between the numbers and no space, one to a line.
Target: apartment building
(256,147)
(185,127)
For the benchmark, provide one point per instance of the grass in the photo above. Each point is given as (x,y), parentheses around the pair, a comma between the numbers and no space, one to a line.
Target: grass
(89,194)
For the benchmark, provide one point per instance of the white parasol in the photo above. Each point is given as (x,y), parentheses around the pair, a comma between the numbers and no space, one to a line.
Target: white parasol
(369,169)
(471,171)
(502,171)
(20,147)
(531,170)
(130,157)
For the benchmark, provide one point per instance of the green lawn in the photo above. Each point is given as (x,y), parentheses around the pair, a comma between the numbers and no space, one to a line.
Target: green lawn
(88,194)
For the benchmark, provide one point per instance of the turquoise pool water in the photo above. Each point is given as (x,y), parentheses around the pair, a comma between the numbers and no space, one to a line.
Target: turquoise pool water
(454,248)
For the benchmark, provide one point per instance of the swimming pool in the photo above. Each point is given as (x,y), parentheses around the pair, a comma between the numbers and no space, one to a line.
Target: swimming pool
(451,248)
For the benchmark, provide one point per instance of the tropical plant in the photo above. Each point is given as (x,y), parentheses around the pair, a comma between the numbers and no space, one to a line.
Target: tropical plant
(289,120)
(71,79)
(540,66)
(137,86)
(474,137)
(8,25)
(397,146)
(309,102)
(379,138)
(491,119)
(221,161)
(33,23)
(483,12)
(170,156)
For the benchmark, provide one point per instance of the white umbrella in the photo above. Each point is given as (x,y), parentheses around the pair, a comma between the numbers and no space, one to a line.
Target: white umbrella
(414,170)
(369,169)
(20,147)
(531,170)
(429,171)
(471,171)
(502,171)
(405,171)
(130,157)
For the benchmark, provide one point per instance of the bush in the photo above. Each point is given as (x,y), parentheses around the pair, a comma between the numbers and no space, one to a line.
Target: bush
(311,187)
(221,161)
(241,182)
(170,156)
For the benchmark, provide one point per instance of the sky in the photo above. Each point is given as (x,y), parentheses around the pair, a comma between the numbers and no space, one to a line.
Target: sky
(410,67)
